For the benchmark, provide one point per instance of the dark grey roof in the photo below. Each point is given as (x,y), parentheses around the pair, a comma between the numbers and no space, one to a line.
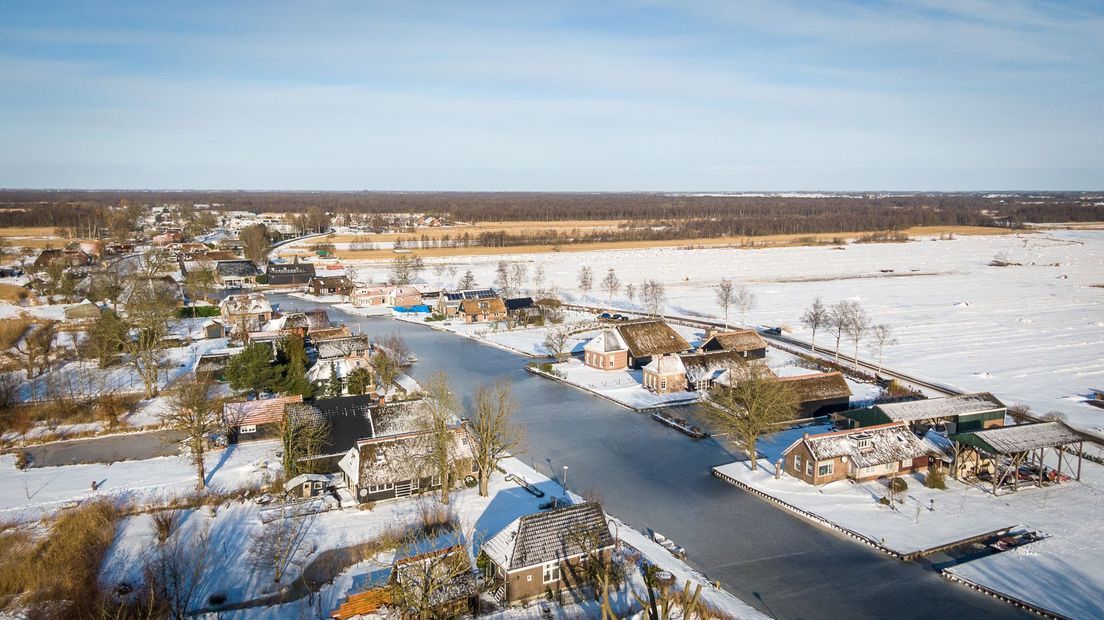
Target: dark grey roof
(350,419)
(547,536)
(519,303)
(238,268)
(290,269)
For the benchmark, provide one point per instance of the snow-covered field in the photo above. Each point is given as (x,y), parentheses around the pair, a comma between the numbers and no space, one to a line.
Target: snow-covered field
(1031,334)
(1069,514)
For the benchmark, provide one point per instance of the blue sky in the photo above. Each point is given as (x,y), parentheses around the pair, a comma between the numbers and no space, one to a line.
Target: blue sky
(578,96)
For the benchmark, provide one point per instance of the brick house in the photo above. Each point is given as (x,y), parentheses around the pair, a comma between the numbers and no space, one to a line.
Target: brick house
(252,309)
(542,552)
(330,285)
(859,454)
(368,296)
(448,302)
(482,310)
(665,374)
(606,351)
(251,420)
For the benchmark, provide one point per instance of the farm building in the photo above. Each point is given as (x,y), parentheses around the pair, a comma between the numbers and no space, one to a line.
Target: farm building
(295,274)
(606,351)
(540,552)
(748,343)
(482,310)
(236,273)
(957,414)
(1005,456)
(251,420)
(859,454)
(665,374)
(819,394)
(648,338)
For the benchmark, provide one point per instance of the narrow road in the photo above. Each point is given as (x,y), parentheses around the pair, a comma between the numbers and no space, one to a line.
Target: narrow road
(107,449)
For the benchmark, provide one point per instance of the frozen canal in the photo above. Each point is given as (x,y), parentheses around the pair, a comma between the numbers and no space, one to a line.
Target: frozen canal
(652,477)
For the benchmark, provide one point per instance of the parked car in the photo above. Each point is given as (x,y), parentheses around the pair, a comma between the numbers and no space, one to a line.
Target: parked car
(605,316)
(773,331)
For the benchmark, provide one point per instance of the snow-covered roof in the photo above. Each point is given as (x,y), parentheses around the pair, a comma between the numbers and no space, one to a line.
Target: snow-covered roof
(246,303)
(1021,437)
(867,447)
(261,411)
(937,408)
(303,478)
(342,347)
(818,386)
(236,268)
(739,340)
(710,364)
(407,383)
(666,365)
(651,337)
(547,536)
(405,456)
(606,342)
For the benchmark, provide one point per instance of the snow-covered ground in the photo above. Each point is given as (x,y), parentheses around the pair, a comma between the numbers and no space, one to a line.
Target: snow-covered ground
(527,341)
(1069,514)
(1030,334)
(229,530)
(30,493)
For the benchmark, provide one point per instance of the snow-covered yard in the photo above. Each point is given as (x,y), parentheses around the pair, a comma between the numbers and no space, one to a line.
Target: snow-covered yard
(479,518)
(1030,334)
(1069,514)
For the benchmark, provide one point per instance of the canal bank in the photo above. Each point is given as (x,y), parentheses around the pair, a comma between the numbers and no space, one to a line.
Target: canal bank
(650,476)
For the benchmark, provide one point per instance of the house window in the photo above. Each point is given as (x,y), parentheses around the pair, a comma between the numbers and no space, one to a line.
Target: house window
(247,428)
(551,572)
(611,362)
(797,463)
(376,488)
(434,480)
(663,384)
(809,468)
(825,469)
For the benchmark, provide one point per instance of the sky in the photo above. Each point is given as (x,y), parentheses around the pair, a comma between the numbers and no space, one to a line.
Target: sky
(686,95)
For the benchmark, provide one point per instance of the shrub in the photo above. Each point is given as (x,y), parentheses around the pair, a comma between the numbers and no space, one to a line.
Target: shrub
(262,279)
(165,523)
(935,478)
(22,460)
(898,485)
(885,501)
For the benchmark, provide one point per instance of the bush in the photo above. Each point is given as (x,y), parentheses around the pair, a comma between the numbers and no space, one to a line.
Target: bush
(22,460)
(197,311)
(898,485)
(885,501)
(262,278)
(935,478)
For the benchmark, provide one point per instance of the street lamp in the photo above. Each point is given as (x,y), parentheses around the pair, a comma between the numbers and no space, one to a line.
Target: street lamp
(564,481)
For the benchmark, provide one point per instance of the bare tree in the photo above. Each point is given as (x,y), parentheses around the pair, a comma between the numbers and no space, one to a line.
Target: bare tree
(653,294)
(255,241)
(468,281)
(281,542)
(424,583)
(595,566)
(838,316)
(502,279)
(883,337)
(555,342)
(396,347)
(586,279)
(34,349)
(386,370)
(148,313)
(518,274)
(745,302)
(723,293)
(493,430)
(199,281)
(175,568)
(191,412)
(538,277)
(610,284)
(442,406)
(752,403)
(405,269)
(815,316)
(858,325)
(304,434)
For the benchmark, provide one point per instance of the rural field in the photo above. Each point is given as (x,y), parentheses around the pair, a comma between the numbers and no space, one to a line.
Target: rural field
(1030,333)
(371,247)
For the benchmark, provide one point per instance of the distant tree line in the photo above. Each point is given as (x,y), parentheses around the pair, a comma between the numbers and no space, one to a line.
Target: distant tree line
(666,215)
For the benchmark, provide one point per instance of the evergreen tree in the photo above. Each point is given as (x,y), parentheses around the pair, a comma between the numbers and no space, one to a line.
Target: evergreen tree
(360,381)
(335,381)
(293,353)
(253,370)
